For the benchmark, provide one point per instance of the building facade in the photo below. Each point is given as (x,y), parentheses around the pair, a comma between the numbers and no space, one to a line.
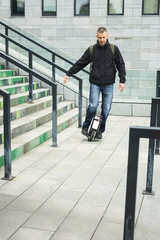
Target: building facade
(70,25)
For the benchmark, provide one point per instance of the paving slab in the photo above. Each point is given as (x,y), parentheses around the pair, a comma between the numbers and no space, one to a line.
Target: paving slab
(76,191)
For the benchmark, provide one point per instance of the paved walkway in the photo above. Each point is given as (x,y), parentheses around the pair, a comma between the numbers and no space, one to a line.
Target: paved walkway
(77,190)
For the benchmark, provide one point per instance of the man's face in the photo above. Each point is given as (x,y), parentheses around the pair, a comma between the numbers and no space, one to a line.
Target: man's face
(102,38)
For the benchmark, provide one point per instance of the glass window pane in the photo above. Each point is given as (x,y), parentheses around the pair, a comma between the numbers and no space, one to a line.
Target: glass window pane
(82,7)
(49,7)
(151,7)
(18,7)
(115,7)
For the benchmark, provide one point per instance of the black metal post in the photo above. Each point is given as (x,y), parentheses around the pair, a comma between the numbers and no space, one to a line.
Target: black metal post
(135,134)
(151,149)
(30,79)
(53,68)
(7,135)
(157,148)
(80,105)
(6,45)
(54,117)
(158,84)
(131,186)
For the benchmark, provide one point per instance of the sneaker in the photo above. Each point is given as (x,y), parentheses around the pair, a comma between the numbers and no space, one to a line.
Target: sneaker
(98,135)
(85,131)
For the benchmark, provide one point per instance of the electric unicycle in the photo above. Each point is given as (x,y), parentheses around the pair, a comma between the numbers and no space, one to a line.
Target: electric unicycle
(94,127)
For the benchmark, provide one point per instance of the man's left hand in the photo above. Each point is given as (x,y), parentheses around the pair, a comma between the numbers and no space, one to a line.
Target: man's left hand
(121,87)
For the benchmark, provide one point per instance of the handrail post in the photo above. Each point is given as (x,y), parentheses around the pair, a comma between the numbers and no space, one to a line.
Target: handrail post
(135,134)
(157,148)
(158,84)
(131,186)
(6,45)
(53,68)
(80,105)
(30,79)
(54,116)
(151,149)
(7,137)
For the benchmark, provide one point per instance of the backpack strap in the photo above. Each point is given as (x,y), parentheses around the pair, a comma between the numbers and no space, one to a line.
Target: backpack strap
(90,54)
(113,52)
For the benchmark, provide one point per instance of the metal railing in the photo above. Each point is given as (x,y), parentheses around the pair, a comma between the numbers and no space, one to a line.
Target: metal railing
(135,134)
(30,57)
(37,44)
(41,76)
(47,81)
(7,134)
(151,150)
(157,150)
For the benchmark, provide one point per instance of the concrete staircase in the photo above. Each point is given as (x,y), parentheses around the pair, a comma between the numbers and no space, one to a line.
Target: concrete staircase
(31,123)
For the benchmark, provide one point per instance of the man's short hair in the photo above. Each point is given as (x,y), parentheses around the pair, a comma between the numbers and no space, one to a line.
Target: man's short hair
(101,30)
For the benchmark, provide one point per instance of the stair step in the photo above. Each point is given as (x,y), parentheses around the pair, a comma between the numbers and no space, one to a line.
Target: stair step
(24,97)
(34,120)
(24,109)
(20,88)
(31,139)
(8,73)
(13,80)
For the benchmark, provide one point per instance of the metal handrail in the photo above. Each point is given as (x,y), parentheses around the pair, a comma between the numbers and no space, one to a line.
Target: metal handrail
(136,133)
(29,69)
(47,81)
(31,54)
(7,134)
(38,44)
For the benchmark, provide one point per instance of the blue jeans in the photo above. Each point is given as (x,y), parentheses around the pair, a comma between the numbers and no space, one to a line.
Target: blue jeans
(107,96)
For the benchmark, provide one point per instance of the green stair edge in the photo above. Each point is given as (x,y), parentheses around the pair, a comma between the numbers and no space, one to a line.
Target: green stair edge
(36,122)
(23,99)
(38,140)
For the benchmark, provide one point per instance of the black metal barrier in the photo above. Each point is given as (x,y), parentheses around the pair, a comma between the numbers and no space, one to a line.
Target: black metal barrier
(153,123)
(157,148)
(135,134)
(7,135)
(48,81)
(31,54)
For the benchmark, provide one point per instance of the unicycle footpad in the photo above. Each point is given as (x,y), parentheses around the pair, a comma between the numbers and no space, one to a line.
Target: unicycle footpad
(94,127)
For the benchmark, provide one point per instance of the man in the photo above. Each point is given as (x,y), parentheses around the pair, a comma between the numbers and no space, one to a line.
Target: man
(102,77)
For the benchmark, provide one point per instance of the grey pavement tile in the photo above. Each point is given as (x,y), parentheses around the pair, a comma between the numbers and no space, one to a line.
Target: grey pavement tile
(35,196)
(116,209)
(22,182)
(79,181)
(10,221)
(34,234)
(98,196)
(146,233)
(76,191)
(80,224)
(148,221)
(53,212)
(5,200)
(100,156)
(109,231)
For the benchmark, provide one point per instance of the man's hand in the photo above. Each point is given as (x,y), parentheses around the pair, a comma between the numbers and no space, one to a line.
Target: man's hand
(66,79)
(121,87)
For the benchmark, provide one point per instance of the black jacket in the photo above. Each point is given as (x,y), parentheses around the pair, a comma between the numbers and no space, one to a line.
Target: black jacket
(103,70)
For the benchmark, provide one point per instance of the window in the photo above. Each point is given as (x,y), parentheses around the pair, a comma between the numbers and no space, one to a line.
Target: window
(81,7)
(17,7)
(49,7)
(150,7)
(115,7)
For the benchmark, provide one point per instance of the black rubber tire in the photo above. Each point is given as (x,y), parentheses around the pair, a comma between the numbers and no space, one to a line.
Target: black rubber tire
(93,133)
